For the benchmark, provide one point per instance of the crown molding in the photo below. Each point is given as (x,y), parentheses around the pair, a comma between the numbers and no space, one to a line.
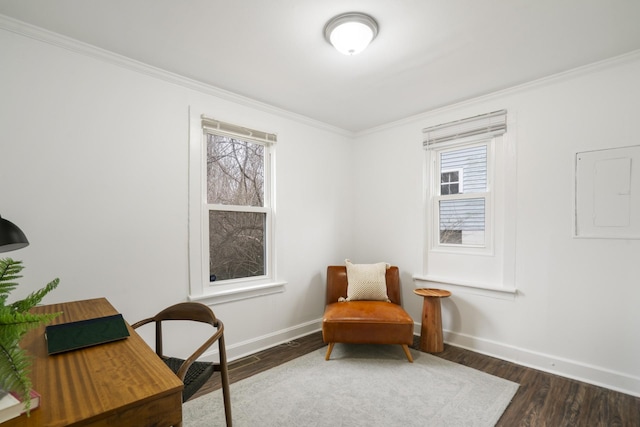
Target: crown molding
(554,78)
(45,36)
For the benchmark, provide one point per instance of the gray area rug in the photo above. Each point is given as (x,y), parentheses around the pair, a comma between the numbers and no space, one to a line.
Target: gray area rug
(362,385)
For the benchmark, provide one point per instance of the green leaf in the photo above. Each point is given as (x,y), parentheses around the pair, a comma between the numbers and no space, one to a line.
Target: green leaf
(15,321)
(15,368)
(35,298)
(9,270)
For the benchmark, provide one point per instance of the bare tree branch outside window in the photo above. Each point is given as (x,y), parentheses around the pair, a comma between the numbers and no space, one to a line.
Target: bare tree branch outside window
(235,178)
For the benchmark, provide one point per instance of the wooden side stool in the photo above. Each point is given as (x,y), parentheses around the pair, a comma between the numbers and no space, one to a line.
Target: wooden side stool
(431,332)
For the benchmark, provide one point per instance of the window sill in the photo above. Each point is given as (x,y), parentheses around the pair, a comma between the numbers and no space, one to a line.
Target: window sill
(505,293)
(239,293)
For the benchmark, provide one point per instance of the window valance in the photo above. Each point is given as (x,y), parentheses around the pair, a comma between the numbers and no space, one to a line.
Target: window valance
(235,131)
(490,124)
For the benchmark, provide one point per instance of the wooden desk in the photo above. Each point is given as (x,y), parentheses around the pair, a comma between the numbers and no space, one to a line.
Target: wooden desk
(123,383)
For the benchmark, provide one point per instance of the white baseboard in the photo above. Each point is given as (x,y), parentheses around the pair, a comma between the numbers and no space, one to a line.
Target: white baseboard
(573,369)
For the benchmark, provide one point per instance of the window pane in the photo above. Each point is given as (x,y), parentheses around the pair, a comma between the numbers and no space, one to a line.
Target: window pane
(235,171)
(462,221)
(449,182)
(472,162)
(449,189)
(236,244)
(452,176)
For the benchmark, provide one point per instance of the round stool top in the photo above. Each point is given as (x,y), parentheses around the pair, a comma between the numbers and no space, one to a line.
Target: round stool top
(430,292)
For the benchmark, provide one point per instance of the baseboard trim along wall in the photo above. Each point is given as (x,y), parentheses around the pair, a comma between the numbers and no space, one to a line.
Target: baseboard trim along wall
(573,369)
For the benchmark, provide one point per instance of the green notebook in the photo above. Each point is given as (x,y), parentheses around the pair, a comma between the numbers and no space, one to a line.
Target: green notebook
(85,333)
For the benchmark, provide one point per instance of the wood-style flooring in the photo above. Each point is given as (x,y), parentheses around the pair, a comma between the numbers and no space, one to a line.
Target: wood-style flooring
(542,400)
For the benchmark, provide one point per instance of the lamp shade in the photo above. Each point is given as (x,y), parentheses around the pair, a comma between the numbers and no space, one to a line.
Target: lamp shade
(11,237)
(350,33)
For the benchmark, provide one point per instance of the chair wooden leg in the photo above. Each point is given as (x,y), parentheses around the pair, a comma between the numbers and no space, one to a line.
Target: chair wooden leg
(407,352)
(224,372)
(329,350)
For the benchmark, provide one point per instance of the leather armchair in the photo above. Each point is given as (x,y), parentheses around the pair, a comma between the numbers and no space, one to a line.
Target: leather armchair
(365,322)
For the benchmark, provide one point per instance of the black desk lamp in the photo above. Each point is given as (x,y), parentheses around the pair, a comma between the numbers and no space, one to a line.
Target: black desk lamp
(11,237)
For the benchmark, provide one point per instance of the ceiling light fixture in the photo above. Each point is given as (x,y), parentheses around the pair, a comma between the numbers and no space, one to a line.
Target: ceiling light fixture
(350,33)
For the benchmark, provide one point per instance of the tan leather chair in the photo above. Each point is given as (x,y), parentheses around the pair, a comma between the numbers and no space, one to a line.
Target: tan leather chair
(365,322)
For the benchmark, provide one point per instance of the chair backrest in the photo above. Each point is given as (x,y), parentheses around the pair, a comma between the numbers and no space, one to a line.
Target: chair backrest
(337,284)
(192,311)
(188,311)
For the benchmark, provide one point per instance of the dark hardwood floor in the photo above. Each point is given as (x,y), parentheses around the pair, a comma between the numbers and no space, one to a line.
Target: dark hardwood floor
(542,400)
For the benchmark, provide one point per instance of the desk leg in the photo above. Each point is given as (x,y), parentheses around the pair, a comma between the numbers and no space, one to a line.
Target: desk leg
(431,333)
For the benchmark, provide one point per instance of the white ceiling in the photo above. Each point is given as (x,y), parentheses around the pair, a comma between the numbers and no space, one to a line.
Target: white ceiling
(428,53)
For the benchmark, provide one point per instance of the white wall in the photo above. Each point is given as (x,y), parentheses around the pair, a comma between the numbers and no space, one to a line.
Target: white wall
(94,169)
(575,312)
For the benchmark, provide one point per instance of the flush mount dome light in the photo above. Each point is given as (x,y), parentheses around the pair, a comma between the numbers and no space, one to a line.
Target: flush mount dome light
(350,33)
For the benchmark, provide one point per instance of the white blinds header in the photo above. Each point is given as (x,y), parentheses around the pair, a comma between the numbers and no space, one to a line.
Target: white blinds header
(235,131)
(494,123)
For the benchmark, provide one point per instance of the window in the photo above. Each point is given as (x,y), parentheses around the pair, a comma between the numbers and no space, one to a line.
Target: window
(470,218)
(238,214)
(231,211)
(462,201)
(460,197)
(451,181)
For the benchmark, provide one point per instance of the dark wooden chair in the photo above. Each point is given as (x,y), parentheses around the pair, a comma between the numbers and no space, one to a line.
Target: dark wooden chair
(194,374)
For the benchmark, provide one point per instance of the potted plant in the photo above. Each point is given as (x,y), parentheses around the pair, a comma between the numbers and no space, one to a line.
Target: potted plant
(15,321)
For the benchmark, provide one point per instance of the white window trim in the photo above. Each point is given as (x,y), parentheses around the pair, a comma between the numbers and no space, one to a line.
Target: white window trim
(506,292)
(200,288)
(504,185)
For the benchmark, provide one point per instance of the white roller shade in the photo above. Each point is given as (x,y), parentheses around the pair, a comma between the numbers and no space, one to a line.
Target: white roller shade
(489,124)
(235,131)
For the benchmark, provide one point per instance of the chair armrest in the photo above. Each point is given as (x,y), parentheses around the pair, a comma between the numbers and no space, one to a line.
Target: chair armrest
(182,372)
(142,322)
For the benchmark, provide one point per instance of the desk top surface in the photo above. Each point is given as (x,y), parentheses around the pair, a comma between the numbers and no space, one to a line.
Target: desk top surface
(93,382)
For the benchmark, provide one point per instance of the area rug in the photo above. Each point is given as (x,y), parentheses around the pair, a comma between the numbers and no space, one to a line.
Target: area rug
(362,385)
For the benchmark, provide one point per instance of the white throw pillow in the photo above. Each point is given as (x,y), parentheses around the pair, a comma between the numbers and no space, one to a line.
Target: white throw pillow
(366,281)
